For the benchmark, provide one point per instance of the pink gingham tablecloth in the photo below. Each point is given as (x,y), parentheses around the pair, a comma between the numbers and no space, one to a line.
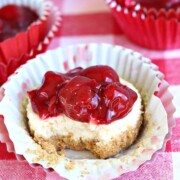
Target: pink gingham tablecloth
(86,21)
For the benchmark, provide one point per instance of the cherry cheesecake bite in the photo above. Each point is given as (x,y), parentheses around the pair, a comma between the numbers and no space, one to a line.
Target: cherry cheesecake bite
(157,4)
(85,109)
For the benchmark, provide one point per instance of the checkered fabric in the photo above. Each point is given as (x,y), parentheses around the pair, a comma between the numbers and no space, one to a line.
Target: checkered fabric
(86,21)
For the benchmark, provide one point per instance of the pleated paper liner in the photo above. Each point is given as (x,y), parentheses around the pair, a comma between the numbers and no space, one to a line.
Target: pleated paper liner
(129,65)
(152,29)
(17,50)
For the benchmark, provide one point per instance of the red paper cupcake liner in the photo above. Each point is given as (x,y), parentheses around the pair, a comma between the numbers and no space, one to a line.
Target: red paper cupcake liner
(17,50)
(158,30)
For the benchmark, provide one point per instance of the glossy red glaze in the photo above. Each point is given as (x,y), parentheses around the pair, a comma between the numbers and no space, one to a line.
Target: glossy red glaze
(158,4)
(91,94)
(101,74)
(14,19)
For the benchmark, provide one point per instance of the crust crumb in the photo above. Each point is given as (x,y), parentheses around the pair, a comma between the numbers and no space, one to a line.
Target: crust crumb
(85,172)
(42,155)
(100,149)
(70,165)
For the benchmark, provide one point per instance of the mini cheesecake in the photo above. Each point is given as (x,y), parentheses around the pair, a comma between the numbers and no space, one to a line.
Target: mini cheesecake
(85,109)
(148,4)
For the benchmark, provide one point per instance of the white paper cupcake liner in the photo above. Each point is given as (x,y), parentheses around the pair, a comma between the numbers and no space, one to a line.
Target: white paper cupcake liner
(132,67)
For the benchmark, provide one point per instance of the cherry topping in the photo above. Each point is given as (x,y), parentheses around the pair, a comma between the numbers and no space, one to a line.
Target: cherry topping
(44,101)
(87,95)
(14,19)
(82,100)
(74,72)
(101,73)
(118,100)
(158,4)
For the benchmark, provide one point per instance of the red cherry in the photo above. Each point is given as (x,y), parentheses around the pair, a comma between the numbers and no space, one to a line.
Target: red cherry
(44,99)
(54,106)
(101,73)
(118,99)
(78,98)
(74,72)
(51,83)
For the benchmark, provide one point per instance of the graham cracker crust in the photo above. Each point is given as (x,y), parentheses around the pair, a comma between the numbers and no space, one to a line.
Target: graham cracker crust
(101,149)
